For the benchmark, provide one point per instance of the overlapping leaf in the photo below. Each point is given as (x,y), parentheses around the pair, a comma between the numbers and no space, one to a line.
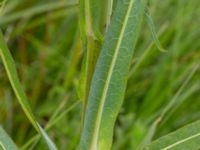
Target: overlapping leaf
(110,77)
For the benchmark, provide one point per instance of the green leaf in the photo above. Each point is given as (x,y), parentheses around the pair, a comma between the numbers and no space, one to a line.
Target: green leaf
(110,76)
(18,90)
(5,141)
(186,138)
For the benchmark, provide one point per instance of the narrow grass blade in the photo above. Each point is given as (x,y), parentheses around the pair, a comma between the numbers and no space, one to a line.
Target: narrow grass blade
(168,107)
(53,117)
(18,90)
(181,99)
(153,31)
(9,6)
(5,141)
(174,99)
(147,52)
(110,77)
(50,124)
(2,4)
(36,10)
(186,138)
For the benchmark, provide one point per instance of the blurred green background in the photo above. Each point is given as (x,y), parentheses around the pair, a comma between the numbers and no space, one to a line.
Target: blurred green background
(44,39)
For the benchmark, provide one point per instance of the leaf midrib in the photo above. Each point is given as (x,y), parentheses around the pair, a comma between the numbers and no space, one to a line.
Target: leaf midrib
(181,141)
(2,146)
(107,83)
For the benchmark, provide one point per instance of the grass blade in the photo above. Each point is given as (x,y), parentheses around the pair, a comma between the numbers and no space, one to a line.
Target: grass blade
(53,120)
(174,100)
(147,52)
(187,137)
(18,90)
(153,31)
(36,10)
(110,77)
(166,110)
(5,142)
(2,4)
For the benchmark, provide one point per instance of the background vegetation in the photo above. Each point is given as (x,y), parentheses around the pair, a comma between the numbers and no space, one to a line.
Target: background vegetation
(45,42)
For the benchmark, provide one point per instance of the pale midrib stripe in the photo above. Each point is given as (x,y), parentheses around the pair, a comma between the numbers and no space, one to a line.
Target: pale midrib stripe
(182,141)
(2,146)
(105,89)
